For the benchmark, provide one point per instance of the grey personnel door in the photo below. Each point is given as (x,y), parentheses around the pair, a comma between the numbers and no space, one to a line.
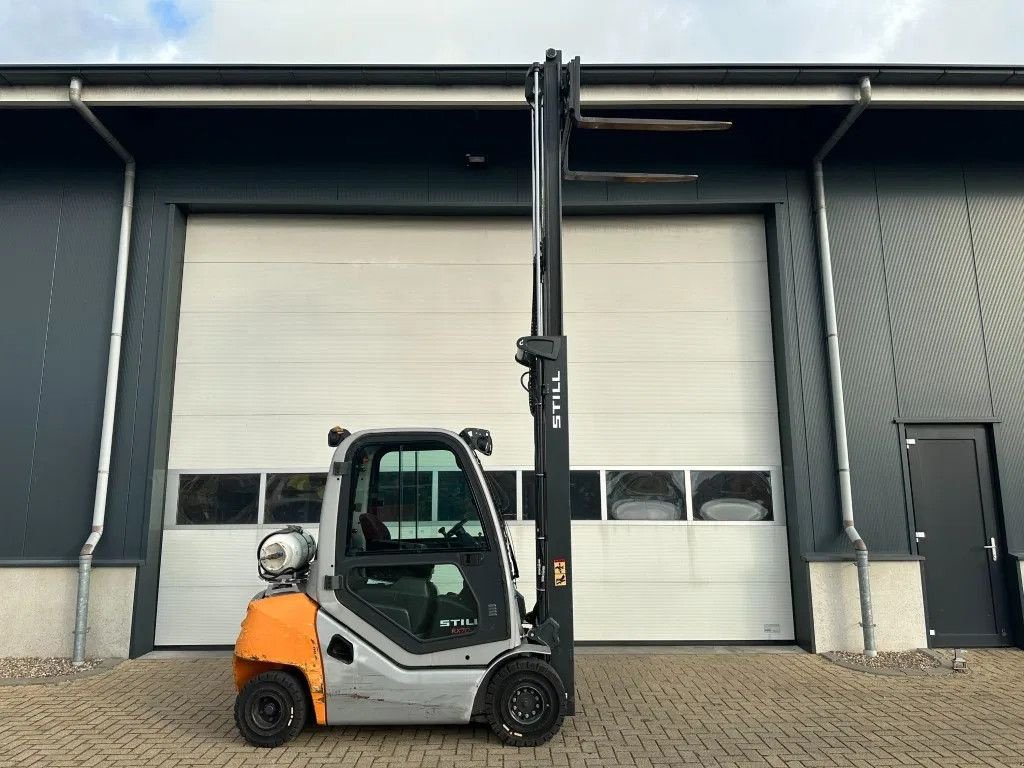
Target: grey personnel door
(954,503)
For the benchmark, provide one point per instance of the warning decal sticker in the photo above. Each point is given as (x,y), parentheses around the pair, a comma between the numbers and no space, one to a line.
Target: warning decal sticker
(560,575)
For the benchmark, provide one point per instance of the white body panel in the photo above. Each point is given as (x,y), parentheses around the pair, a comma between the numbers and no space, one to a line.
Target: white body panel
(291,324)
(374,690)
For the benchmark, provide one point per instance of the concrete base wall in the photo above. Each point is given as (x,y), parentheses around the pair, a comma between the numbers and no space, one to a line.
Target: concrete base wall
(37,611)
(897,600)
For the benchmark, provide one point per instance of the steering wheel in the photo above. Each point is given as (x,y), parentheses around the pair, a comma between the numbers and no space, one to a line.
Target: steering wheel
(454,530)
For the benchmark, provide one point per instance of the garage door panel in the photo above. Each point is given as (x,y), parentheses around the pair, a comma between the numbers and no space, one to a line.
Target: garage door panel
(292,324)
(197,557)
(300,442)
(357,239)
(651,612)
(686,439)
(672,387)
(297,337)
(482,387)
(285,337)
(689,597)
(665,239)
(277,287)
(202,616)
(610,551)
(645,287)
(598,440)
(681,335)
(385,387)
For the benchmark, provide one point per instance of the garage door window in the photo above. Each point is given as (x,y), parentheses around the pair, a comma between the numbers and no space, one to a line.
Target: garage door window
(732,495)
(218,499)
(646,495)
(584,494)
(294,498)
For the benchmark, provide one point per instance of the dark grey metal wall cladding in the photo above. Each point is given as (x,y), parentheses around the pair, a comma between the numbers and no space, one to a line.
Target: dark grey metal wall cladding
(930,284)
(996,205)
(58,229)
(920,336)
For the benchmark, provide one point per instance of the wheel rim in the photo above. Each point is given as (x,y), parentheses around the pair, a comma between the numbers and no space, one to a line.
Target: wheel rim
(528,703)
(269,712)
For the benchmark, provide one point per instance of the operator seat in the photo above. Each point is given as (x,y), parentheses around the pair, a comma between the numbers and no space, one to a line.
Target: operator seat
(374,531)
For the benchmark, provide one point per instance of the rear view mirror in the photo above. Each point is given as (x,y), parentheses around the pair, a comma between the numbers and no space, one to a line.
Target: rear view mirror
(478,439)
(336,435)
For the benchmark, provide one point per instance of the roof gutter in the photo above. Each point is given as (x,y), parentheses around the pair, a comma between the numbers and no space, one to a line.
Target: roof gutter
(74,95)
(633,96)
(836,373)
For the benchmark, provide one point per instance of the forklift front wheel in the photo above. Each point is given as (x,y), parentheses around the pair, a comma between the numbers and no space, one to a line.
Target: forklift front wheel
(271,709)
(525,703)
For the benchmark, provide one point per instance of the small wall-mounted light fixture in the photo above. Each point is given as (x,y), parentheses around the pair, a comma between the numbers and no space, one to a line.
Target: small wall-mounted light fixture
(476,161)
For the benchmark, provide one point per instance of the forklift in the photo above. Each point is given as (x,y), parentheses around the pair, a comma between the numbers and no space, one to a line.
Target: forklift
(406,609)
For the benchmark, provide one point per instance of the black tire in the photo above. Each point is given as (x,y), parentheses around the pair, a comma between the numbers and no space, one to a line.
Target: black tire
(525,703)
(271,709)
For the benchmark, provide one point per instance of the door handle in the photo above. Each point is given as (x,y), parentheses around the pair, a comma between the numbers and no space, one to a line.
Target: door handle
(991,547)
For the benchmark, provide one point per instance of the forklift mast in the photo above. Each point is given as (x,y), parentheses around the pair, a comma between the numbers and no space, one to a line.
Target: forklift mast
(553,93)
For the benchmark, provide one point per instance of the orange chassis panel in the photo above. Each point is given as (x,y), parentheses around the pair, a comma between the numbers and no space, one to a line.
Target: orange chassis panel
(280,632)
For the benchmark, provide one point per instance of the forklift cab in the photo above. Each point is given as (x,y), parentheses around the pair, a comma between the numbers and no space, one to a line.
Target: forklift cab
(407,614)
(419,557)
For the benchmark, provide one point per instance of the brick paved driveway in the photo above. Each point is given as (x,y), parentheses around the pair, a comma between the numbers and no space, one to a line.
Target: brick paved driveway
(653,710)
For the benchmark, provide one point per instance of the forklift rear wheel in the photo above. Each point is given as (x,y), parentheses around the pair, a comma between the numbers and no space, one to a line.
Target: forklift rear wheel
(271,709)
(525,703)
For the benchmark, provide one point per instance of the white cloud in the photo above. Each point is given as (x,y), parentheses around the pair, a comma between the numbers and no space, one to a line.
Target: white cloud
(500,31)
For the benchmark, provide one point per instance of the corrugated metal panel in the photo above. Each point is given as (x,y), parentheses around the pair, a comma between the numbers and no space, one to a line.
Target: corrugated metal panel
(30,205)
(74,375)
(933,300)
(817,411)
(996,199)
(865,343)
(130,478)
(784,255)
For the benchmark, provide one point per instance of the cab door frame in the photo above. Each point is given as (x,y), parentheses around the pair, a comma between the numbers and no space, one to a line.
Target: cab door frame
(371,626)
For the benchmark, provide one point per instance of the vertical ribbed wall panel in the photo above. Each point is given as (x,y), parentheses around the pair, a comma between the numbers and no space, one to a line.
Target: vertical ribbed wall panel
(996,199)
(933,299)
(75,372)
(865,344)
(29,216)
(814,369)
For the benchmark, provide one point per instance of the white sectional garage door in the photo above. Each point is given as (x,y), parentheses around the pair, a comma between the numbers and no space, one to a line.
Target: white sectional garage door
(291,324)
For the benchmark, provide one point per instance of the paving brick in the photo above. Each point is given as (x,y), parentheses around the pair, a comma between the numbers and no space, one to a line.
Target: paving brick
(649,711)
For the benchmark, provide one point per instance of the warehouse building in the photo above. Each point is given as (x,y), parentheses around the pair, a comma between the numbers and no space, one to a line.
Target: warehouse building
(342,245)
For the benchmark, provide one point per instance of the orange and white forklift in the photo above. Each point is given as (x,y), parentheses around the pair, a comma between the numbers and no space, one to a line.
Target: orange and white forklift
(405,611)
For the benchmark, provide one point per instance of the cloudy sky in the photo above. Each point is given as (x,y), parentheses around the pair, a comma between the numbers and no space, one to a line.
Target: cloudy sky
(495,31)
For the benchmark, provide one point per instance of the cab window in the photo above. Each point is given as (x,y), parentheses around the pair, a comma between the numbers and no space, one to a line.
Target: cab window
(412,499)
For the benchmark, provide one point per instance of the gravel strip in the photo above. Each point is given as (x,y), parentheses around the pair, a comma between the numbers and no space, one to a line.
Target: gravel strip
(21,668)
(889,662)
